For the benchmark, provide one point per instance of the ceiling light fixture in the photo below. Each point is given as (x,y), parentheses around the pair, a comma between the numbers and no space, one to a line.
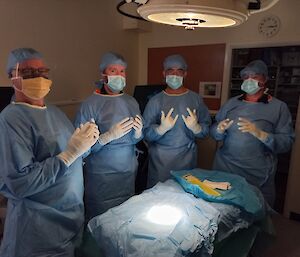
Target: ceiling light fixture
(199,13)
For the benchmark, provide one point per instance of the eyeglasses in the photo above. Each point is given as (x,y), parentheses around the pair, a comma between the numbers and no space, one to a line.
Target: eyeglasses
(32,72)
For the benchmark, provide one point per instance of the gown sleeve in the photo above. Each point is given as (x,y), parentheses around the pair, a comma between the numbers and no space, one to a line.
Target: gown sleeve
(203,119)
(221,115)
(283,136)
(86,114)
(152,114)
(136,109)
(21,174)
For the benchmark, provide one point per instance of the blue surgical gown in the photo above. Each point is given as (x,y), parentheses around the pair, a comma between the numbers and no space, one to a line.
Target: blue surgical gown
(110,170)
(176,149)
(45,212)
(244,154)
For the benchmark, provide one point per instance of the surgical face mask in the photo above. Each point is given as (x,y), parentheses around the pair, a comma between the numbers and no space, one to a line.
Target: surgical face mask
(174,81)
(116,83)
(250,86)
(35,88)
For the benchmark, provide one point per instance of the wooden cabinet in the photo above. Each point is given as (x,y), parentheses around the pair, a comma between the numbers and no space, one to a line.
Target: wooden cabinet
(283,82)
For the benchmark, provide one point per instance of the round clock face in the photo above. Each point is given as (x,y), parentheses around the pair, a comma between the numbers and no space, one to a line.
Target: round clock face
(269,26)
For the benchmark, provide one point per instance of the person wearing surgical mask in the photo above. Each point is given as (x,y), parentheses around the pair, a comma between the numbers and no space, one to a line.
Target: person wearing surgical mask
(41,173)
(112,164)
(174,119)
(254,128)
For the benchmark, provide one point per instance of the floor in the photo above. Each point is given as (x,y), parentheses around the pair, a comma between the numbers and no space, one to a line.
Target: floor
(287,242)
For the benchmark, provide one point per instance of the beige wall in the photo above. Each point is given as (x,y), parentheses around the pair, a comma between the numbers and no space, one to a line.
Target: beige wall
(72,35)
(245,35)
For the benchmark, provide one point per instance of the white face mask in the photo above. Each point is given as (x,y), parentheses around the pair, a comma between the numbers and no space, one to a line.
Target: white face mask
(174,81)
(34,88)
(250,86)
(116,83)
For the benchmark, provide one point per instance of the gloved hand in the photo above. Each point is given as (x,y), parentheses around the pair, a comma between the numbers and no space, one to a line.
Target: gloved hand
(247,126)
(118,130)
(224,125)
(81,141)
(138,126)
(191,121)
(166,122)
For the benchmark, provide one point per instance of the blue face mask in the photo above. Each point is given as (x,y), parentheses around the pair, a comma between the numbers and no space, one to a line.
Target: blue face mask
(250,86)
(116,83)
(174,81)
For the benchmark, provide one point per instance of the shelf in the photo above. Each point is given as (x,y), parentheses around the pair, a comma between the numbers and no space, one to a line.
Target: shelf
(290,66)
(242,79)
(269,66)
(288,84)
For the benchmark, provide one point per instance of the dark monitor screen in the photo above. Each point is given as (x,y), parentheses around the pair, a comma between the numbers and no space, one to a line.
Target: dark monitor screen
(142,93)
(5,96)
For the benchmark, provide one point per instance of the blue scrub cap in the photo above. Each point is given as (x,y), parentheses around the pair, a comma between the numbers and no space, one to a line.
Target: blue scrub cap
(20,55)
(256,67)
(175,61)
(111,58)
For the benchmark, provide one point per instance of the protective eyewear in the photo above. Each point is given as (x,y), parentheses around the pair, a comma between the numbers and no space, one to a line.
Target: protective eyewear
(29,72)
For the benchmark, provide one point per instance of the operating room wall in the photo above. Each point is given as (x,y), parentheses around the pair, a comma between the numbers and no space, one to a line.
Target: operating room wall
(72,35)
(245,35)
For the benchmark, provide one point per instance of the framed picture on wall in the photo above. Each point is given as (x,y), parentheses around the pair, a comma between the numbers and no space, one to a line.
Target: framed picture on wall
(210,89)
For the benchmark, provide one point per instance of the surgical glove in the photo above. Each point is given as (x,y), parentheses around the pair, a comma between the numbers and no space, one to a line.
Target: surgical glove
(166,122)
(81,141)
(249,127)
(118,130)
(191,121)
(217,185)
(138,126)
(224,125)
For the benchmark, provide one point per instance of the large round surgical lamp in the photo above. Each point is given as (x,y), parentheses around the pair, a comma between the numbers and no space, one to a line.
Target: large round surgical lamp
(200,13)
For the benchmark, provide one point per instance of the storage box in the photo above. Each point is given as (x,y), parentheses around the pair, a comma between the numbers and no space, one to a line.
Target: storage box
(296,71)
(291,58)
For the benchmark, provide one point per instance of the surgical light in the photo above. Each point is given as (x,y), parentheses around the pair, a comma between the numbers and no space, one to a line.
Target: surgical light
(164,215)
(199,13)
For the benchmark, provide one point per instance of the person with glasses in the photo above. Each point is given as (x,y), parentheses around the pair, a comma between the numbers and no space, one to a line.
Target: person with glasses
(174,119)
(254,127)
(112,164)
(41,173)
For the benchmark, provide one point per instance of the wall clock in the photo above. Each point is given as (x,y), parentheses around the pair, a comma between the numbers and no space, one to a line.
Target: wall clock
(269,26)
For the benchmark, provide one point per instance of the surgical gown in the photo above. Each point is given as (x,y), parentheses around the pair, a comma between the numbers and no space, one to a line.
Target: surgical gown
(176,149)
(110,170)
(45,211)
(244,154)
